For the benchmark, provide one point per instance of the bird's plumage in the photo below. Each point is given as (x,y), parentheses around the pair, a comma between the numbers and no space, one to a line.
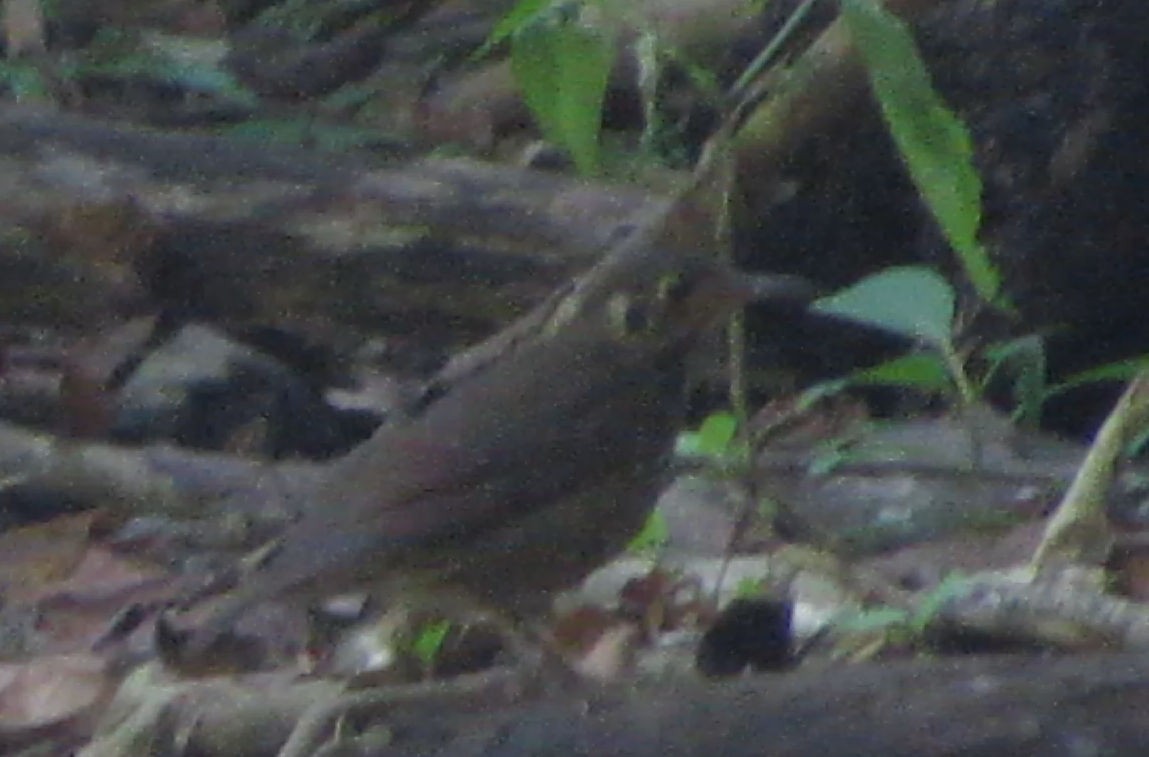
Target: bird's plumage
(529,471)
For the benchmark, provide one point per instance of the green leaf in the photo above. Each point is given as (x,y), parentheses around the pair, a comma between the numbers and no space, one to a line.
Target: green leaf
(326,136)
(767,508)
(1024,360)
(815,393)
(826,459)
(953,587)
(913,301)
(26,82)
(188,63)
(868,621)
(429,641)
(1137,444)
(716,434)
(748,588)
(207,79)
(562,68)
(281,131)
(522,15)
(927,372)
(933,142)
(1121,370)
(653,537)
(716,441)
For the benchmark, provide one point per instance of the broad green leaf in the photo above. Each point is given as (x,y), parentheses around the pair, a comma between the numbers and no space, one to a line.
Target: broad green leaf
(934,143)
(927,372)
(748,588)
(519,17)
(910,300)
(562,68)
(716,433)
(715,441)
(429,641)
(652,539)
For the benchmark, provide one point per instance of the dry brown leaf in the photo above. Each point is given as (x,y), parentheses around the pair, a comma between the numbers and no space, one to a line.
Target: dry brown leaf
(78,611)
(34,556)
(58,691)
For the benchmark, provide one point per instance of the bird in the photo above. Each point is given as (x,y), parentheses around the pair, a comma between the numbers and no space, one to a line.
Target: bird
(531,469)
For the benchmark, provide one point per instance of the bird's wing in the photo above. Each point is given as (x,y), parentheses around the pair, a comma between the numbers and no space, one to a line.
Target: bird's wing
(515,437)
(526,431)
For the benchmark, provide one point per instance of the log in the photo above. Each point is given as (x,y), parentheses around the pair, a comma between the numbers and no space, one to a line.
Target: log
(239,232)
(972,706)
(969,706)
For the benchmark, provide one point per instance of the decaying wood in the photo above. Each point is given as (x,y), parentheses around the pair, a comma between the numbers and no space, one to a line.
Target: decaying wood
(450,250)
(970,706)
(282,236)
(139,481)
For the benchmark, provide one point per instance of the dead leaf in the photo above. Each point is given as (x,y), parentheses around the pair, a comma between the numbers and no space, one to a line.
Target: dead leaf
(40,554)
(76,612)
(63,692)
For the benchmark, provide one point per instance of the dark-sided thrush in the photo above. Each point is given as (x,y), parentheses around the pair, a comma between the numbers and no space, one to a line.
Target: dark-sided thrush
(533,468)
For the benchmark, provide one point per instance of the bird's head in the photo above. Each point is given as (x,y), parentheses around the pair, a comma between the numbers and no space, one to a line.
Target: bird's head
(651,300)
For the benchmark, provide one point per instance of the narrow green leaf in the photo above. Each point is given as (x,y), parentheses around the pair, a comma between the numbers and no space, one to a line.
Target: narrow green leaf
(1137,445)
(1121,370)
(429,641)
(953,587)
(209,80)
(1022,359)
(278,131)
(934,143)
(926,372)
(910,300)
(868,621)
(826,460)
(815,393)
